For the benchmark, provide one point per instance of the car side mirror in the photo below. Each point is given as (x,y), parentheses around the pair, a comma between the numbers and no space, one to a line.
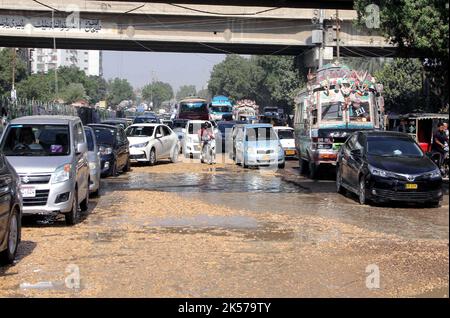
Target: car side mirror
(158,135)
(81,147)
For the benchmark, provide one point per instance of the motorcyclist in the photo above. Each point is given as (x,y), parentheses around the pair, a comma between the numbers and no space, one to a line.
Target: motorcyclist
(205,135)
(440,142)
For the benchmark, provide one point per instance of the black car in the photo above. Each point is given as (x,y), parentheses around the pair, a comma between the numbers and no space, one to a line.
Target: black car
(10,212)
(114,149)
(383,166)
(121,122)
(146,119)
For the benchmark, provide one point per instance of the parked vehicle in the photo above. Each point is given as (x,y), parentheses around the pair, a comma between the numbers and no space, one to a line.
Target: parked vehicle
(220,106)
(114,149)
(387,166)
(336,102)
(287,140)
(122,122)
(148,118)
(152,142)
(10,212)
(193,109)
(191,142)
(49,154)
(94,161)
(258,145)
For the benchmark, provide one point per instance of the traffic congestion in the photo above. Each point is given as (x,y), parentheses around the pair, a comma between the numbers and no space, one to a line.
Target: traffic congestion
(338,144)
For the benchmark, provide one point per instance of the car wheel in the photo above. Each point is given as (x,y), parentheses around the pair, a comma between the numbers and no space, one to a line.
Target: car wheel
(434,204)
(281,165)
(127,166)
(175,152)
(313,170)
(84,205)
(302,165)
(113,170)
(73,216)
(339,188)
(152,158)
(362,191)
(13,239)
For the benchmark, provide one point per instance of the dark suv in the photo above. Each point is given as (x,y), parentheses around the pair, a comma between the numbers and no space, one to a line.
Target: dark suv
(10,212)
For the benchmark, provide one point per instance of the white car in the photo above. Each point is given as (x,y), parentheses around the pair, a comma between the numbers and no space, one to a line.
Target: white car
(152,142)
(191,142)
(287,140)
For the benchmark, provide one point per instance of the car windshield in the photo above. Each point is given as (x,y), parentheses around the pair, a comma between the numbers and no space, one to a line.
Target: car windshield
(89,139)
(193,107)
(105,135)
(221,109)
(393,147)
(140,131)
(260,134)
(36,140)
(285,134)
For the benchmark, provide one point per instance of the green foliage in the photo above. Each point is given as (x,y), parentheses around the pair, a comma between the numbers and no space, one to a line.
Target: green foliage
(269,80)
(117,91)
(185,91)
(38,87)
(419,27)
(157,93)
(73,92)
(6,67)
(204,93)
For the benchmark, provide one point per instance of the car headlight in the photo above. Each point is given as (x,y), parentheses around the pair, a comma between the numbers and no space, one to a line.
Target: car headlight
(105,150)
(380,172)
(141,145)
(92,165)
(435,174)
(62,173)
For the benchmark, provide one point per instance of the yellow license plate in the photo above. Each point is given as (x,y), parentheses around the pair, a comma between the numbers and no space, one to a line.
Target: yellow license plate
(290,152)
(411,186)
(266,158)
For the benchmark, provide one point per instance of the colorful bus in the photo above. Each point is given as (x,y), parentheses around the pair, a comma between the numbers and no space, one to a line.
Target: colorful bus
(220,106)
(336,102)
(193,109)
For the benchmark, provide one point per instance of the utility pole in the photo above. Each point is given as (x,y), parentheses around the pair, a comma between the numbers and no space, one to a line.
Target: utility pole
(338,26)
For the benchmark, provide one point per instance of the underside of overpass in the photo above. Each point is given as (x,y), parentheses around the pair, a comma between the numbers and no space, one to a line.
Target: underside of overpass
(190,26)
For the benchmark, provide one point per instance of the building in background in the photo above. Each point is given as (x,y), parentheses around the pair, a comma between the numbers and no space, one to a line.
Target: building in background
(44,60)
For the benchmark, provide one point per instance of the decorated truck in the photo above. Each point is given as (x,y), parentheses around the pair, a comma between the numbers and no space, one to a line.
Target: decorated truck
(336,101)
(245,109)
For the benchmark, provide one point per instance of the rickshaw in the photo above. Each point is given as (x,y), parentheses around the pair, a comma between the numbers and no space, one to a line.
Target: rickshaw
(419,126)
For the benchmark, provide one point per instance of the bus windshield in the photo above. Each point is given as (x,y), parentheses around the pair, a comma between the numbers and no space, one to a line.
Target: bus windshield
(220,108)
(332,111)
(193,107)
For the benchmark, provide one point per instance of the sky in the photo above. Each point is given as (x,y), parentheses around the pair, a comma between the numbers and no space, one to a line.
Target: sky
(177,69)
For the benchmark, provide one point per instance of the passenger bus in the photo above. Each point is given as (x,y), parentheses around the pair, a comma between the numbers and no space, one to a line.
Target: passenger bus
(220,106)
(193,109)
(336,102)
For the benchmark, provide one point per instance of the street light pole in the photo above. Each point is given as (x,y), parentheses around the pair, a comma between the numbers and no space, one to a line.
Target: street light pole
(337,35)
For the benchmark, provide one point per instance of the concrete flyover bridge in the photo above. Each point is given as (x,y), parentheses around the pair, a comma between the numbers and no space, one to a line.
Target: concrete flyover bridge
(190,26)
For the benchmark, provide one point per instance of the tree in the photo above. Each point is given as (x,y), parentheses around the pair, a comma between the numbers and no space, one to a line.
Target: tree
(236,77)
(185,91)
(420,28)
(38,87)
(6,68)
(118,90)
(204,93)
(157,92)
(73,92)
(402,81)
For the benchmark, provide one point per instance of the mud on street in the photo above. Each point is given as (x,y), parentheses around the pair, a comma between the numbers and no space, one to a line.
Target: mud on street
(192,230)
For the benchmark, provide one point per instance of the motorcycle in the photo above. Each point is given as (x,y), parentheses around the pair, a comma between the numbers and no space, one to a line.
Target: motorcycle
(208,154)
(442,161)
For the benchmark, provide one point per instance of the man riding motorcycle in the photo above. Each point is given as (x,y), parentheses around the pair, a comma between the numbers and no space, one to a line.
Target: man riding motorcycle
(205,135)
(440,144)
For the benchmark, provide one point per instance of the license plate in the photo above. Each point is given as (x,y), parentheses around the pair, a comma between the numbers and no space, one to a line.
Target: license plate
(290,152)
(266,158)
(411,186)
(28,192)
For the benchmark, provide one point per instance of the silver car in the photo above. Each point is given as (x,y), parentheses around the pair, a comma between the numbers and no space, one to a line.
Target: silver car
(50,156)
(94,161)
